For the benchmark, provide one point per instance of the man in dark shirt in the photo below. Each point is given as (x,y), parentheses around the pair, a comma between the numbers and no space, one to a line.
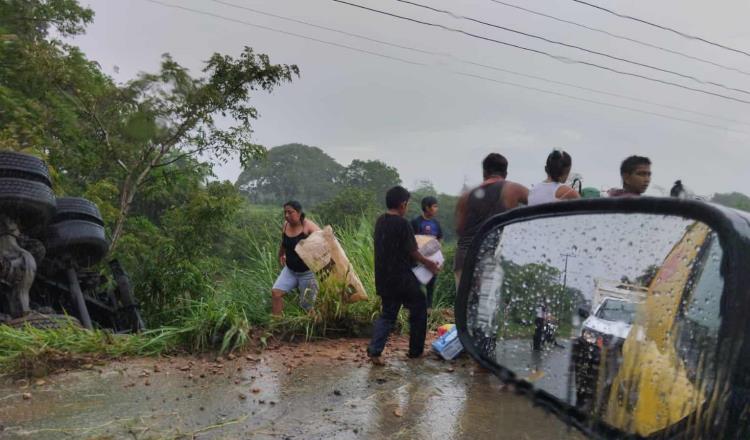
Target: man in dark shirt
(636,177)
(395,255)
(494,196)
(428,224)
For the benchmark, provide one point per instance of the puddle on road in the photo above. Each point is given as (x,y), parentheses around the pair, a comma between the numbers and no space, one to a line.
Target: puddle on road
(297,392)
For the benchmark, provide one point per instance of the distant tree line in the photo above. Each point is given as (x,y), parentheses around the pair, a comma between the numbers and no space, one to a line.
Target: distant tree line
(336,194)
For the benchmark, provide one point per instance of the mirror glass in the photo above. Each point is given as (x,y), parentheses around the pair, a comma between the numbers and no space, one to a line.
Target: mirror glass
(615,314)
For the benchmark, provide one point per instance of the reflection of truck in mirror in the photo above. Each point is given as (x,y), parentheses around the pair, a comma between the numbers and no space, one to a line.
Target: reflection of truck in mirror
(613,307)
(650,377)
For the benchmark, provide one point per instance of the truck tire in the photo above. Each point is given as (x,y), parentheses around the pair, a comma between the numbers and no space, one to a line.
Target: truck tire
(24,166)
(77,208)
(45,322)
(83,241)
(30,203)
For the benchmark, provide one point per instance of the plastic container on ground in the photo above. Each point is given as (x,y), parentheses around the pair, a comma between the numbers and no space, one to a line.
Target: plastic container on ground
(448,346)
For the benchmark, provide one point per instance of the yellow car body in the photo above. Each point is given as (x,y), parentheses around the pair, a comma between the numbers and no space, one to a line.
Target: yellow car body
(651,390)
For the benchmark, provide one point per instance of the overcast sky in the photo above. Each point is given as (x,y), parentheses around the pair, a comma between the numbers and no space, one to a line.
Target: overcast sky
(435,124)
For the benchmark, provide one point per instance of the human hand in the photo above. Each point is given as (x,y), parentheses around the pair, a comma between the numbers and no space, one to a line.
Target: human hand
(432,267)
(282,260)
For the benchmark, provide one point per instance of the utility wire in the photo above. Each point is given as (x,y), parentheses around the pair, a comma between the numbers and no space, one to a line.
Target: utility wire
(666,28)
(465,74)
(330,43)
(623,37)
(338,31)
(573,46)
(592,101)
(541,52)
(604,92)
(472,63)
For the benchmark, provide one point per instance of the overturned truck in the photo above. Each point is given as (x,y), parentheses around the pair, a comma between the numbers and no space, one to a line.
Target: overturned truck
(49,247)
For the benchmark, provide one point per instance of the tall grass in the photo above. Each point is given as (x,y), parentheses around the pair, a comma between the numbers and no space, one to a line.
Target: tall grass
(235,308)
(34,351)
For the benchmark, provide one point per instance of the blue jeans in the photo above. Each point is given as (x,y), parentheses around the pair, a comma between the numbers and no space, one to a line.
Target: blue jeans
(413,299)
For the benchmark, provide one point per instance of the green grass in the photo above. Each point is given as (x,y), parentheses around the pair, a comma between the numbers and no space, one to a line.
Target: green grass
(33,351)
(231,314)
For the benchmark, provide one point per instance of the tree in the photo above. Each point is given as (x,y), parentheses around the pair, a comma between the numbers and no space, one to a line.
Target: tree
(733,200)
(647,276)
(171,115)
(38,73)
(292,171)
(57,103)
(348,207)
(526,286)
(371,175)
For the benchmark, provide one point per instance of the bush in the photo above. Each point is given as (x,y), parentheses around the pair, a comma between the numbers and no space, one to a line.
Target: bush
(348,208)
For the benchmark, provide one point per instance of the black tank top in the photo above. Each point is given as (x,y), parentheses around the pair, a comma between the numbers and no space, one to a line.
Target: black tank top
(293,261)
(482,203)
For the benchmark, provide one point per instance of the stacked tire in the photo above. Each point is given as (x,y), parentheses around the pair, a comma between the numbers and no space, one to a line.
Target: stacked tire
(26,191)
(76,233)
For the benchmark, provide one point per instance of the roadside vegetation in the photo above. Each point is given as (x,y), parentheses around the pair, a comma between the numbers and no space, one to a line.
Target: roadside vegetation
(201,253)
(226,310)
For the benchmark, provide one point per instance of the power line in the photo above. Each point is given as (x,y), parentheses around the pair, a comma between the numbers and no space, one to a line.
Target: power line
(593,101)
(666,28)
(330,43)
(622,37)
(541,52)
(472,63)
(465,74)
(338,31)
(573,46)
(604,92)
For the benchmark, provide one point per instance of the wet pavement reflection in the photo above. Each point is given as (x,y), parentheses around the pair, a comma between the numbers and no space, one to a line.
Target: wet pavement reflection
(300,391)
(547,369)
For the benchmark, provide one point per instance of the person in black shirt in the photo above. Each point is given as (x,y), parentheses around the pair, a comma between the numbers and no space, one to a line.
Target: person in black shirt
(294,272)
(395,255)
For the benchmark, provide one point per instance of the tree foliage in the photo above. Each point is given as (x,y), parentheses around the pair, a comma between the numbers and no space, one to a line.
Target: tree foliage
(733,200)
(370,175)
(348,207)
(529,285)
(60,105)
(292,171)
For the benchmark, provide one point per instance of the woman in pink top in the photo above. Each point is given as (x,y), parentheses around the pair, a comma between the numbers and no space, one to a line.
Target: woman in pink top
(553,189)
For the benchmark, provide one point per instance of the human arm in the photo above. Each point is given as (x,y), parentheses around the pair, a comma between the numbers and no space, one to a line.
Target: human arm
(310,227)
(424,261)
(282,249)
(418,257)
(564,192)
(515,194)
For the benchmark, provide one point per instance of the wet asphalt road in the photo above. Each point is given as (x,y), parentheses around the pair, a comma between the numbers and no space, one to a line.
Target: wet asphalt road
(546,369)
(321,390)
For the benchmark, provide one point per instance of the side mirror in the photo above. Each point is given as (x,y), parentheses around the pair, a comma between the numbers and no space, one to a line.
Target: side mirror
(666,350)
(583,313)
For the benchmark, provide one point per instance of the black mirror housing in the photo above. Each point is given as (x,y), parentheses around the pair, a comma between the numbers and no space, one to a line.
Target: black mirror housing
(732,231)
